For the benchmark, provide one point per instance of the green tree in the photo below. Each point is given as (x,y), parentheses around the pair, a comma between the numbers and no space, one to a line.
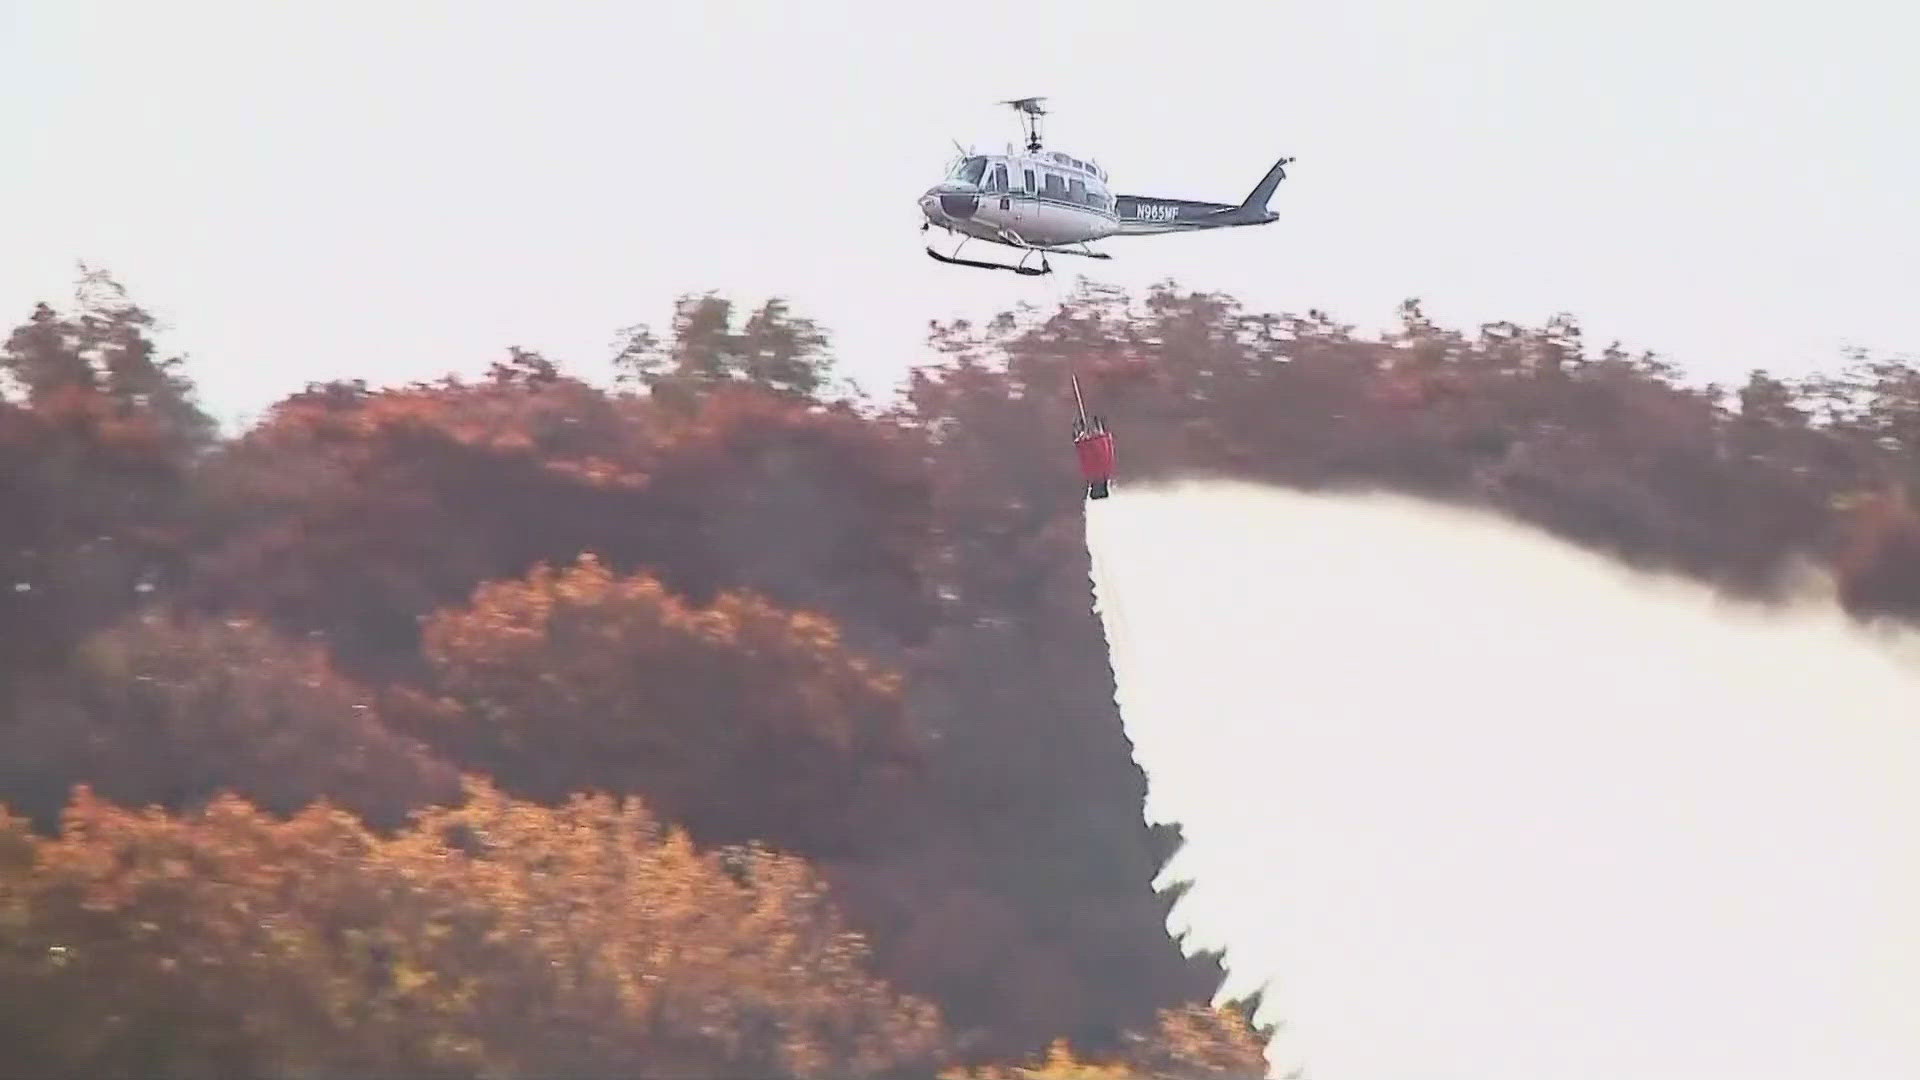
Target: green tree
(775,349)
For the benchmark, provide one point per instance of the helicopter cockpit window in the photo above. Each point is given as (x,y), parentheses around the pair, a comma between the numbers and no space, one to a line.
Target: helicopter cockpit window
(1053,188)
(999,182)
(971,170)
(1077,191)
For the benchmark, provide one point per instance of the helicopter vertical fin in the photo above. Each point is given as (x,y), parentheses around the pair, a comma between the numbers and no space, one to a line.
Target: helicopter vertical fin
(1256,200)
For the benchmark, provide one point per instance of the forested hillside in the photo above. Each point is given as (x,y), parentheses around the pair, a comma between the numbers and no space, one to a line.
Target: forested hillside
(715,723)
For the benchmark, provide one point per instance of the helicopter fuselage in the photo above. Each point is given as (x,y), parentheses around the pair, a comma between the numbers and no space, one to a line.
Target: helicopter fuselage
(1043,200)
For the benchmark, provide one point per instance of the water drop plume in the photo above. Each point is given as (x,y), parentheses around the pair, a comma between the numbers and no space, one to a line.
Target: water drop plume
(1474,803)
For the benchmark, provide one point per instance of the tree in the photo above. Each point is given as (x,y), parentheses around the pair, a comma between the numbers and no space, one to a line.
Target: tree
(775,349)
(353,515)
(98,440)
(105,348)
(742,721)
(1194,1042)
(1879,560)
(1032,768)
(816,508)
(501,938)
(171,712)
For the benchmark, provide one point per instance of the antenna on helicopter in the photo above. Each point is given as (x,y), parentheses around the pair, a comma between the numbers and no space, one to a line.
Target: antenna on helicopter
(1030,113)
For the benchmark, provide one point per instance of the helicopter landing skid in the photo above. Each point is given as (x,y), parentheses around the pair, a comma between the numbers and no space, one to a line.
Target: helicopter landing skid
(1027,251)
(981,264)
(1021,268)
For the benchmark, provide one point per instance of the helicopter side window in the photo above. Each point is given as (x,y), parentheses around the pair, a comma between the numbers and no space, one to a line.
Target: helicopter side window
(999,179)
(1077,191)
(1030,188)
(1054,189)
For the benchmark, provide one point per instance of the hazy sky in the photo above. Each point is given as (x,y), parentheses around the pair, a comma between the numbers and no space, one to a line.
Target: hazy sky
(1485,807)
(314,190)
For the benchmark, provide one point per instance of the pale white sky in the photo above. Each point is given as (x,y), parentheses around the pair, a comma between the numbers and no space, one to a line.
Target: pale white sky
(317,190)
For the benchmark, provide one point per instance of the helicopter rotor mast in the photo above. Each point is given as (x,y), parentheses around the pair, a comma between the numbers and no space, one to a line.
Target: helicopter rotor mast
(1030,111)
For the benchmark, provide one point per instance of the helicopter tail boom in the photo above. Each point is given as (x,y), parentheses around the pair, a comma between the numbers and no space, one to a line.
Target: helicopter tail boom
(1140,214)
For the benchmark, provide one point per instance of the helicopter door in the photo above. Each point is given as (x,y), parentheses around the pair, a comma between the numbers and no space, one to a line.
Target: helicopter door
(1001,187)
(1025,204)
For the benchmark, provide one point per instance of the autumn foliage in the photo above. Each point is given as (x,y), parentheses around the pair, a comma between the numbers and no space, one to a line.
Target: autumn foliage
(576,678)
(501,938)
(722,721)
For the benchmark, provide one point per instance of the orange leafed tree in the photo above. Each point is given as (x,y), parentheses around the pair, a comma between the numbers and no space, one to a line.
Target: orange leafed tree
(1194,1042)
(503,938)
(351,514)
(741,720)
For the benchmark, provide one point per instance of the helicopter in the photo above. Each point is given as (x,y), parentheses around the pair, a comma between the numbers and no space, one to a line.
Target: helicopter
(1044,201)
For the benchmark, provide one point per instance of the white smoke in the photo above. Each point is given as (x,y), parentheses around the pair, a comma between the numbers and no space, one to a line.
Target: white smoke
(1481,805)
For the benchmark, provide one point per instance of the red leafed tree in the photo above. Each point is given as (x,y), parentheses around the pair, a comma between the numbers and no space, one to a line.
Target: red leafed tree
(99,436)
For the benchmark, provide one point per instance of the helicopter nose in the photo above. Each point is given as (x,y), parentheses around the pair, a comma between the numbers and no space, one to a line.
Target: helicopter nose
(956,205)
(950,200)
